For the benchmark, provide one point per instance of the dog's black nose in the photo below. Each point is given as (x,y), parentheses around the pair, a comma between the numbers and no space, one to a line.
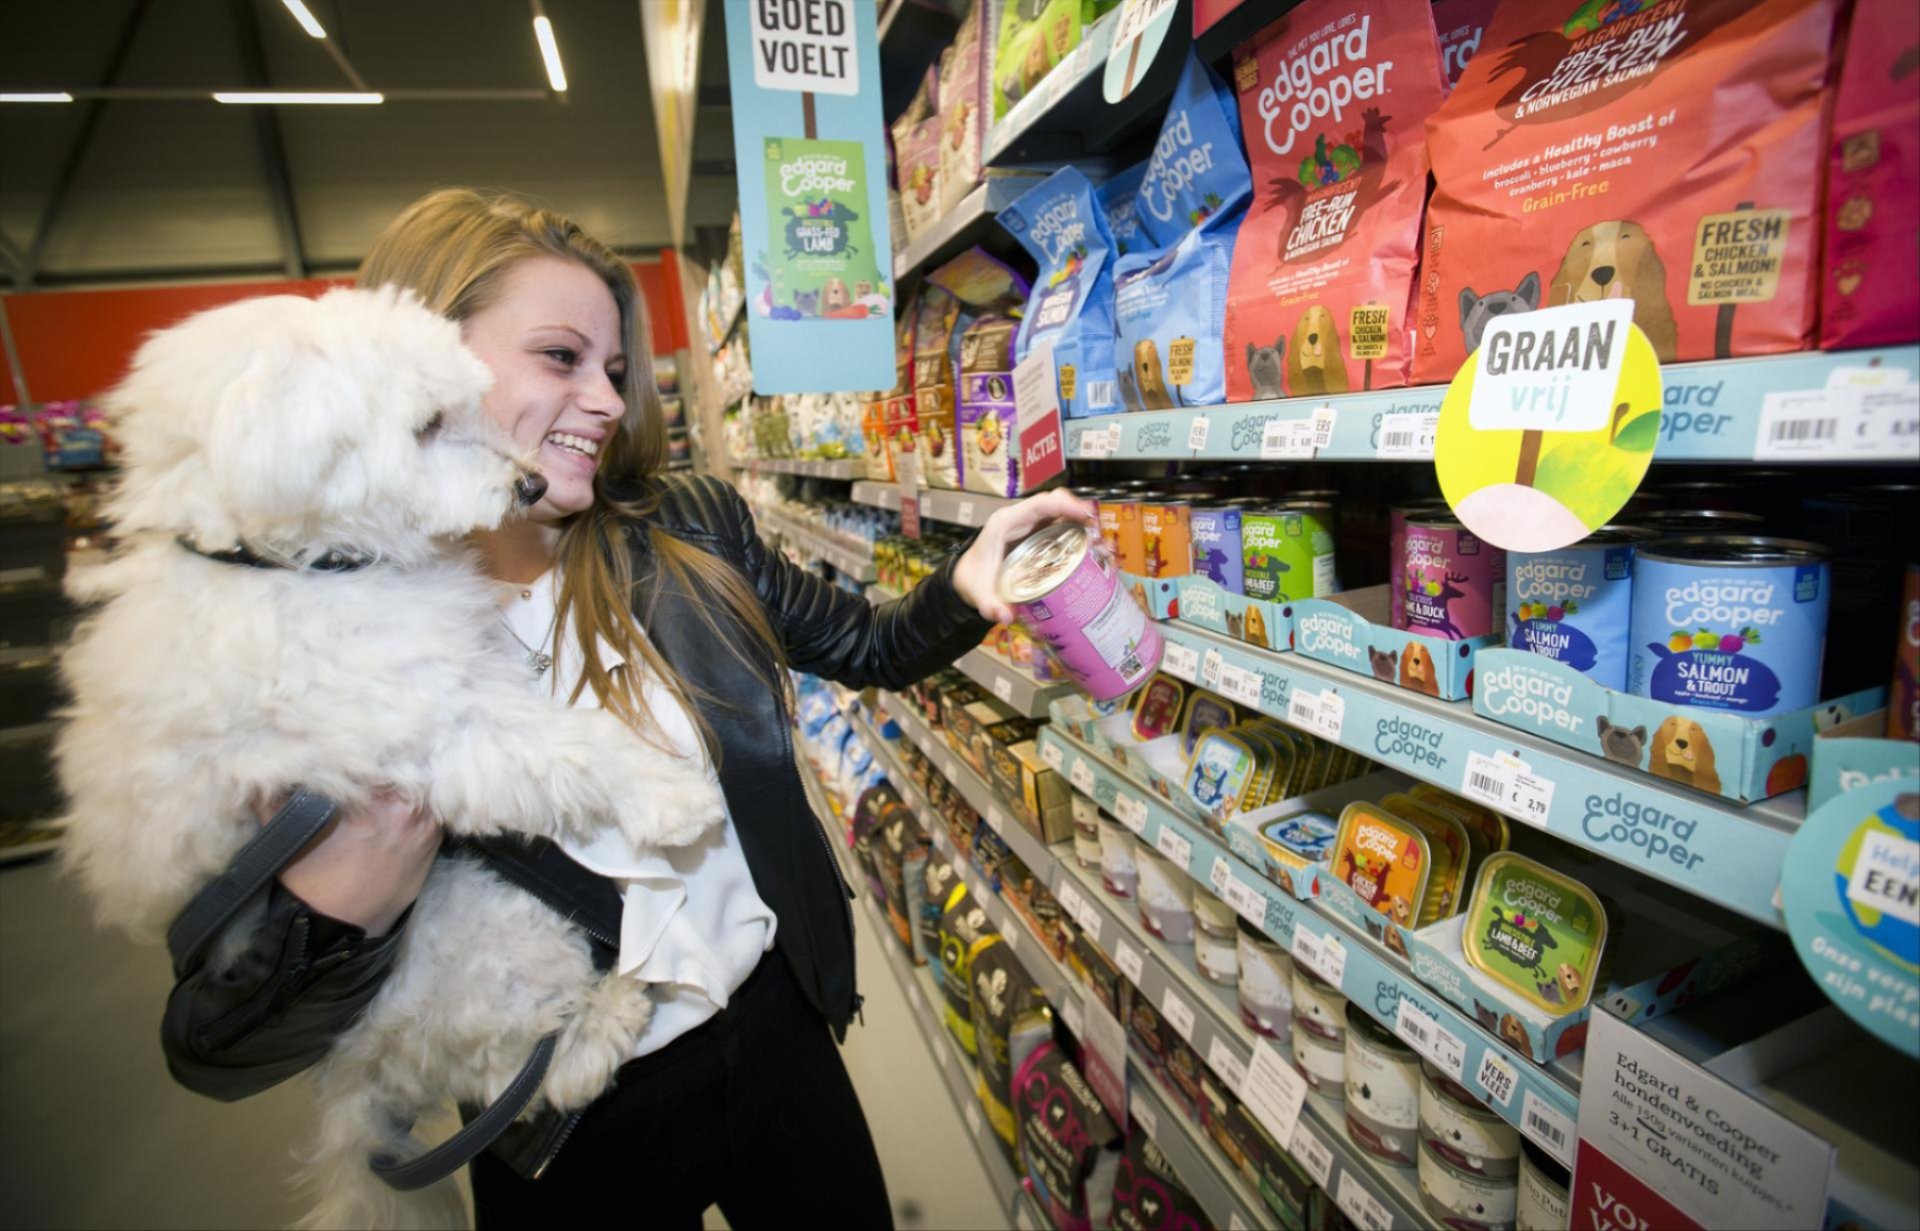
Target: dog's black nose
(528,489)
(1313,339)
(1602,274)
(1680,744)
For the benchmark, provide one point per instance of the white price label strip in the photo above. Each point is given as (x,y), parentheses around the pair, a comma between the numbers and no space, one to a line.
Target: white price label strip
(1219,876)
(1210,664)
(1323,955)
(1547,1126)
(1070,1013)
(1497,1079)
(1431,1039)
(998,821)
(950,769)
(1197,433)
(1131,812)
(1051,754)
(1069,899)
(1082,778)
(1093,443)
(964,514)
(973,1120)
(1174,846)
(1012,936)
(1142,1112)
(1408,435)
(1313,1155)
(1177,1011)
(1230,1068)
(1181,660)
(1251,903)
(1273,1091)
(1127,958)
(1282,439)
(1240,684)
(1505,783)
(1003,688)
(1358,1204)
(1322,427)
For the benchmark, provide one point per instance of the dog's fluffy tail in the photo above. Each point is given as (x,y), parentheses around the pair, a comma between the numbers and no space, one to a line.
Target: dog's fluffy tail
(338,1182)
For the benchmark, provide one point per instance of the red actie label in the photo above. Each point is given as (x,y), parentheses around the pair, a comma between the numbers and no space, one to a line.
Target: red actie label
(1041,456)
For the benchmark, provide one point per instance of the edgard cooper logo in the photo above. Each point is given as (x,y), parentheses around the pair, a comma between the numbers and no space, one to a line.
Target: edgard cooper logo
(1386,1000)
(1653,835)
(1153,436)
(1409,742)
(1201,605)
(1248,432)
(1324,633)
(1519,692)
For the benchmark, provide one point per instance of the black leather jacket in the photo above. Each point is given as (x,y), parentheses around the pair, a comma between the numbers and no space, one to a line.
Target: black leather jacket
(301,978)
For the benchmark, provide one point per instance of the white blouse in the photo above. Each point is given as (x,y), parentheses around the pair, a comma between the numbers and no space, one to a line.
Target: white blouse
(692,925)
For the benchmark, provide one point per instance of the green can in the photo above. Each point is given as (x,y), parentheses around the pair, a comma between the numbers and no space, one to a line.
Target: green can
(1287,551)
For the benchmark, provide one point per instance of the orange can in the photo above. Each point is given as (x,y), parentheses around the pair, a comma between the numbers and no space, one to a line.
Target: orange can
(1166,531)
(1128,542)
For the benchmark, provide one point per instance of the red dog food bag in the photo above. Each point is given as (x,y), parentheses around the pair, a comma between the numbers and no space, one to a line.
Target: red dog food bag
(1663,151)
(1334,99)
(1869,295)
(1462,26)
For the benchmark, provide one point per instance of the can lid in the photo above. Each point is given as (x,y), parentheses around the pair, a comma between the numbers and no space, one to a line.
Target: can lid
(1301,506)
(1702,519)
(1734,551)
(1042,560)
(1614,534)
(1438,518)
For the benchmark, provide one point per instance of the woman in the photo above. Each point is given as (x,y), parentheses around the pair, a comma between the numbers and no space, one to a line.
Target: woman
(652,598)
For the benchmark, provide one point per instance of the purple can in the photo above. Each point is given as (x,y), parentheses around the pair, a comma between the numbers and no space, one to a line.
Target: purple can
(1396,551)
(1215,533)
(1452,583)
(1068,594)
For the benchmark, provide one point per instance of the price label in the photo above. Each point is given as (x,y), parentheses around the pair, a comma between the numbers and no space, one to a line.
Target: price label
(1210,665)
(1180,660)
(1486,780)
(1071,1014)
(1095,444)
(1323,955)
(973,1120)
(1323,713)
(1504,782)
(913,994)
(941,1054)
(1234,1222)
(1532,798)
(1358,1204)
(1496,1078)
(1430,1038)
(1174,846)
(964,514)
(1069,899)
(1547,1126)
(1082,778)
(1055,759)
(1003,688)
(1220,876)
(1322,427)
(1227,1066)
(1282,439)
(1090,921)
(1251,903)
(1197,433)
(1179,1012)
(1145,1115)
(1303,707)
(1240,684)
(949,769)
(1127,958)
(998,821)
(1408,435)
(1132,812)
(1313,1155)
(1274,1091)
(1012,936)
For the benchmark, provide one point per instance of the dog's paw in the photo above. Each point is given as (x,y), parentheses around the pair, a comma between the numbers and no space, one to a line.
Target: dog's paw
(670,808)
(597,1040)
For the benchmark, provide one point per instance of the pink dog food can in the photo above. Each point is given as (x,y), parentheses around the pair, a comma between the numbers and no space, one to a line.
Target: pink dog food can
(1397,550)
(1068,593)
(1453,584)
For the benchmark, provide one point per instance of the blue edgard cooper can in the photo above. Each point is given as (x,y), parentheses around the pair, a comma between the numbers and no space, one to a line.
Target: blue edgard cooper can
(1730,623)
(1575,605)
(1214,531)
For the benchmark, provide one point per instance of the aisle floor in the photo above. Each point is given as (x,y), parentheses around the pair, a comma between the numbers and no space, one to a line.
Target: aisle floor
(93,1133)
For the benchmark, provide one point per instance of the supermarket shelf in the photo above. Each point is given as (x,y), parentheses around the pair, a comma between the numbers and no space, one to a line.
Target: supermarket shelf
(850,556)
(1067,116)
(806,467)
(1220,1192)
(978,793)
(1010,683)
(966,224)
(960,508)
(1712,414)
(1508,1081)
(1225,1043)
(46,843)
(1710,847)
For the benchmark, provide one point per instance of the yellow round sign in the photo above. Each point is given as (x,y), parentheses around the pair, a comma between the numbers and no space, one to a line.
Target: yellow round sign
(1540,488)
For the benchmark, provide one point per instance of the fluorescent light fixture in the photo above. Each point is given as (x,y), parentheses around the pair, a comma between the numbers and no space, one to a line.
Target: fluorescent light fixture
(550,52)
(305,17)
(44,96)
(317,97)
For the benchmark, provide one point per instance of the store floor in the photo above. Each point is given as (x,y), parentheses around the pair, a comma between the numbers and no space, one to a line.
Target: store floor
(93,1133)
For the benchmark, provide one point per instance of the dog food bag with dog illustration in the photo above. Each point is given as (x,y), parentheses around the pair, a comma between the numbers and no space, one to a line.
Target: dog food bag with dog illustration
(1068,1145)
(1118,198)
(1010,1020)
(1147,1193)
(1462,27)
(963,97)
(1572,605)
(1869,295)
(1452,582)
(1197,174)
(1333,99)
(1659,152)
(1034,36)
(987,422)
(1170,310)
(916,157)
(1072,302)
(1727,623)
(1537,932)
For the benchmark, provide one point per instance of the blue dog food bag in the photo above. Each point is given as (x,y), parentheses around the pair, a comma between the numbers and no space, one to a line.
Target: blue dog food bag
(1170,311)
(1198,173)
(1072,301)
(1118,198)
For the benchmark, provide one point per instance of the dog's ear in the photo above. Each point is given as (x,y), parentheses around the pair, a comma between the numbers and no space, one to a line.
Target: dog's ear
(1529,291)
(1601,726)
(1649,274)
(1468,302)
(274,429)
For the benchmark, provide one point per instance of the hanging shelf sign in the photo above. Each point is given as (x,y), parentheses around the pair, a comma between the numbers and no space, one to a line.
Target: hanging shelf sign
(813,194)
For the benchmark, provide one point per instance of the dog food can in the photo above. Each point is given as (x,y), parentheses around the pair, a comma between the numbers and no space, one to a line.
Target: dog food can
(1462,1131)
(1465,1201)
(1213,916)
(1903,706)
(1322,1063)
(1086,832)
(1542,1201)
(1118,873)
(1574,605)
(1068,594)
(1165,896)
(1215,535)
(1318,1006)
(1397,549)
(1670,521)
(1216,958)
(1266,983)
(1286,553)
(1729,623)
(1453,584)
(1383,1090)
(1166,527)
(1120,530)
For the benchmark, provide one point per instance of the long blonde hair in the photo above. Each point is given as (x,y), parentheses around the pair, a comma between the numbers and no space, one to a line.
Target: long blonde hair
(453,248)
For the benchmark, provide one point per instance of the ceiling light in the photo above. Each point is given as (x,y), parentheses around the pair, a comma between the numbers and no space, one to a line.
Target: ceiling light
(550,52)
(44,96)
(335,97)
(306,19)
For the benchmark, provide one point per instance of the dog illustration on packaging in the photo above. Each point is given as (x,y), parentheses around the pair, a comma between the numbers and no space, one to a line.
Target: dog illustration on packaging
(1149,377)
(1682,752)
(1314,365)
(1478,311)
(1617,260)
(291,602)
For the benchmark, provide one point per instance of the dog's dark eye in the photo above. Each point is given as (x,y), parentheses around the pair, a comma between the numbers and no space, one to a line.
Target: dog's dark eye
(434,424)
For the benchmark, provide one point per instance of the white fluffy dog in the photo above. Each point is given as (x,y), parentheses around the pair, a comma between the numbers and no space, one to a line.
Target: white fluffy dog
(348,426)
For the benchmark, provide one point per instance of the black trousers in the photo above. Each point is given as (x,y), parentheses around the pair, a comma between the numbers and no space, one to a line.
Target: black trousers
(752,1110)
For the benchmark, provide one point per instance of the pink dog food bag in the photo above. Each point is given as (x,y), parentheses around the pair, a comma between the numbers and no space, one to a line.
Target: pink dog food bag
(1869,295)
(1333,102)
(1462,27)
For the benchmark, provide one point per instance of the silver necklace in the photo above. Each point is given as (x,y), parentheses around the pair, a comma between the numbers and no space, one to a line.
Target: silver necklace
(538,661)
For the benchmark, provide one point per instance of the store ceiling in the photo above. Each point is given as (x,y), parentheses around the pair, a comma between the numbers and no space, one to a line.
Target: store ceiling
(186,188)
